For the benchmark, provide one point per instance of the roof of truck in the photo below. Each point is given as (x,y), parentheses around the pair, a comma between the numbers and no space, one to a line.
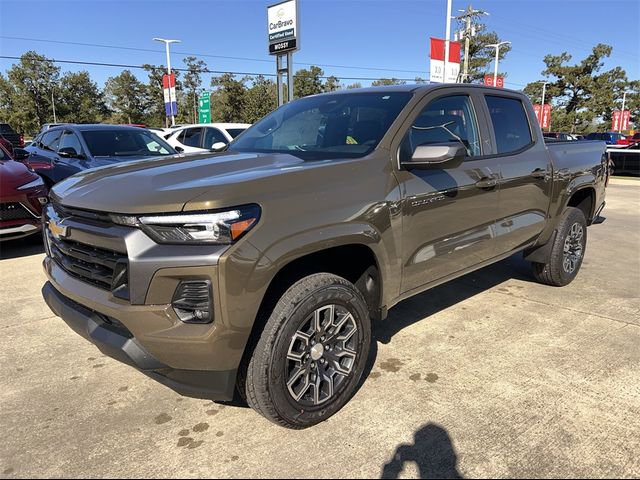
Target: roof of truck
(412,87)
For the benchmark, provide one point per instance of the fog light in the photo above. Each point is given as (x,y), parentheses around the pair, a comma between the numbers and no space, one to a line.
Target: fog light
(192,301)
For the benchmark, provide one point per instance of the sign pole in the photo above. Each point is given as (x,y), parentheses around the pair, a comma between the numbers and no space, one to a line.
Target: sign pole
(289,76)
(446,42)
(279,80)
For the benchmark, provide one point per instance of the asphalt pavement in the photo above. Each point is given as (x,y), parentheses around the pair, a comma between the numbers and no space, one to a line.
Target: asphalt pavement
(491,375)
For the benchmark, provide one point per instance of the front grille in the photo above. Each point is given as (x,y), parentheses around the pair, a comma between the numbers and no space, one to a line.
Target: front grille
(103,268)
(86,216)
(14,211)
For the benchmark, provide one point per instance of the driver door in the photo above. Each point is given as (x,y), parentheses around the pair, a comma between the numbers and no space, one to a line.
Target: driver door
(448,213)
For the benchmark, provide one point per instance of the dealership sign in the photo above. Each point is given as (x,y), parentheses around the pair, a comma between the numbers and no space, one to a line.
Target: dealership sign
(170,100)
(282,26)
(436,67)
(620,120)
(543,114)
(488,81)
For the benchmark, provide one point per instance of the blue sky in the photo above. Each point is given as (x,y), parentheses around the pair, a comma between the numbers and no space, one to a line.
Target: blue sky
(391,35)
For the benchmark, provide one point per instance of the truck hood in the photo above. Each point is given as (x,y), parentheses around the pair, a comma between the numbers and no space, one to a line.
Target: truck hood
(164,184)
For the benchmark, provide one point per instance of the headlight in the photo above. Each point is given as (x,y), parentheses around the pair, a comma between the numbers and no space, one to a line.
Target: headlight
(35,183)
(217,227)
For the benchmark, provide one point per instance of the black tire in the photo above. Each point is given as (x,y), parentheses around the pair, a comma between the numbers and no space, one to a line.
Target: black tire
(270,367)
(561,270)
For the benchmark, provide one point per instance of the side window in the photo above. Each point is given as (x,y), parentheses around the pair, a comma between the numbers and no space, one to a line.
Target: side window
(50,140)
(446,119)
(70,140)
(213,135)
(510,123)
(191,137)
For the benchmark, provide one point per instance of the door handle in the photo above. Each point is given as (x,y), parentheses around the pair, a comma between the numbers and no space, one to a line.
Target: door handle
(539,173)
(487,182)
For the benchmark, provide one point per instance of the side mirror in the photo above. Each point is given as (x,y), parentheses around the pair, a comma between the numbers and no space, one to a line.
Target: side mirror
(69,152)
(20,154)
(437,156)
(179,149)
(218,146)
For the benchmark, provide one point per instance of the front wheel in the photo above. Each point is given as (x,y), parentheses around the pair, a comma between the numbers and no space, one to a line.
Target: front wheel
(567,251)
(311,354)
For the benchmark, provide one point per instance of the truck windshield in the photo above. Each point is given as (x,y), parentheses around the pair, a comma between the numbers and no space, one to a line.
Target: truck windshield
(325,126)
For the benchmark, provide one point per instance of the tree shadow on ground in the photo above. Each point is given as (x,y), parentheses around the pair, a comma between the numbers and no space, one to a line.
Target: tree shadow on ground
(431,450)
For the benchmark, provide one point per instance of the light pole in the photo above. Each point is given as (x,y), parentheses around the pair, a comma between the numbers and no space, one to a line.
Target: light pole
(446,42)
(497,47)
(53,105)
(166,45)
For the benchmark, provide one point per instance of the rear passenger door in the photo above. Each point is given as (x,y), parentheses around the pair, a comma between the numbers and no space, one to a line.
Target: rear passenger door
(448,213)
(525,171)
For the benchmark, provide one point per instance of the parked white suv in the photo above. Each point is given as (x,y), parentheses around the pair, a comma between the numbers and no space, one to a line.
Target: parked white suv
(201,137)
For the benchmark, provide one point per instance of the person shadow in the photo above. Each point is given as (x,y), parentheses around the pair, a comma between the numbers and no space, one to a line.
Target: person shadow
(432,451)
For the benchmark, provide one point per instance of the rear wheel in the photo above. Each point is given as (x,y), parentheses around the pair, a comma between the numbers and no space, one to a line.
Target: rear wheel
(567,251)
(311,354)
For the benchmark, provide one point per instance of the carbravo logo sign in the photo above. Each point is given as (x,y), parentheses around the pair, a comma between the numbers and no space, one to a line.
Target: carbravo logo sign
(280,24)
(282,27)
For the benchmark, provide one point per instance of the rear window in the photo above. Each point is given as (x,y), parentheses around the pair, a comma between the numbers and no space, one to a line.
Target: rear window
(6,128)
(510,123)
(234,132)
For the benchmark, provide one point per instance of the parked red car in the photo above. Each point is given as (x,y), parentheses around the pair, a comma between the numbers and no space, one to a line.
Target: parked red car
(22,195)
(630,140)
(6,144)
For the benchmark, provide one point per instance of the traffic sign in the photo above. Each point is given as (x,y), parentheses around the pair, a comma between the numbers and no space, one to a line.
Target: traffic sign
(204,108)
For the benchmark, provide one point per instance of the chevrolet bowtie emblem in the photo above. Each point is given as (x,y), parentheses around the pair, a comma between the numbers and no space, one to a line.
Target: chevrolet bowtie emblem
(58,230)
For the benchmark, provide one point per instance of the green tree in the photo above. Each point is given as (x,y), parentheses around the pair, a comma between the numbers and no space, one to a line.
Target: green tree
(79,100)
(581,93)
(25,93)
(191,83)
(332,84)
(308,82)
(387,81)
(260,99)
(127,98)
(229,99)
(354,85)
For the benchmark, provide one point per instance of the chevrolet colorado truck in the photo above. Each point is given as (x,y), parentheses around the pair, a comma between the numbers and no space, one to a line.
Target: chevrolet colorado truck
(261,267)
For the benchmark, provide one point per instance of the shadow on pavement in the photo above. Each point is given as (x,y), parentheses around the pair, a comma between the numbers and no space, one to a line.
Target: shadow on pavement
(451,293)
(431,450)
(22,247)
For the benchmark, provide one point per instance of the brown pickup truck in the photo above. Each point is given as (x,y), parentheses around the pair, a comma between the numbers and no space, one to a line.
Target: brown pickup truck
(261,267)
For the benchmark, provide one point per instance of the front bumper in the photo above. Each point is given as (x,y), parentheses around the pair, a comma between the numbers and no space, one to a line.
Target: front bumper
(113,339)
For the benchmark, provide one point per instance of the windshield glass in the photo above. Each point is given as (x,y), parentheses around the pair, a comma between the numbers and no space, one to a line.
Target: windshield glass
(325,126)
(125,143)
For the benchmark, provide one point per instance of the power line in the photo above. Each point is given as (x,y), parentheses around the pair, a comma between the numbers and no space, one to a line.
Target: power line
(206,55)
(218,72)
